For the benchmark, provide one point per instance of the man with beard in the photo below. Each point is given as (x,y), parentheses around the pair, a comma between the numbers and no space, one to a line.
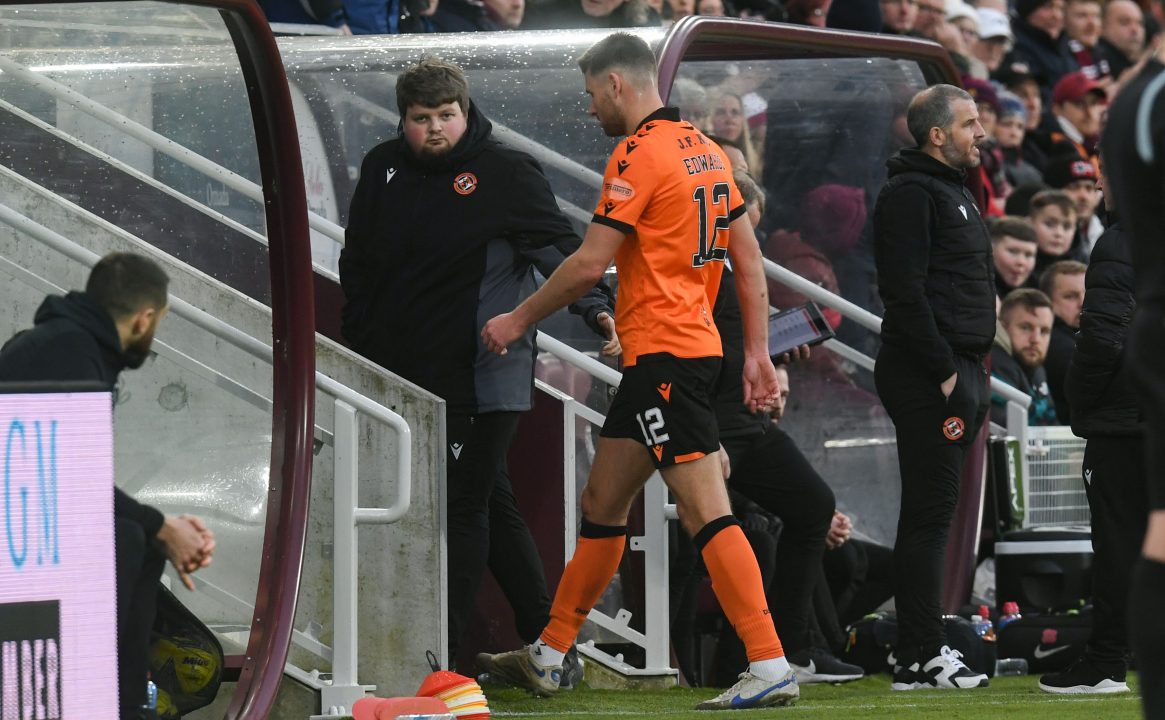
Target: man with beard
(446,228)
(93,336)
(936,279)
(1027,317)
(671,215)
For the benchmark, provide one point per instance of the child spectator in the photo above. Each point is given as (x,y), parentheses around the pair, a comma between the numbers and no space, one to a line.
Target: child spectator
(1054,216)
(1013,248)
(1010,128)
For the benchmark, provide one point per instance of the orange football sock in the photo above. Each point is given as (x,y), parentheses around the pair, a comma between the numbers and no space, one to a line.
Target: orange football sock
(737,583)
(600,548)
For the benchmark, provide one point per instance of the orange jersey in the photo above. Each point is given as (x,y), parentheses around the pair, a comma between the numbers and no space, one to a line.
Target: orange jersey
(670,189)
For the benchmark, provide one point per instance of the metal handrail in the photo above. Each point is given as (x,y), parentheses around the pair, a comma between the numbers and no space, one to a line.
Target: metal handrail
(158,142)
(345,461)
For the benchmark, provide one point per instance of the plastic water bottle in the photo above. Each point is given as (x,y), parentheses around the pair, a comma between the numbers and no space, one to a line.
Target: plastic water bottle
(151,697)
(1010,666)
(1010,614)
(983,627)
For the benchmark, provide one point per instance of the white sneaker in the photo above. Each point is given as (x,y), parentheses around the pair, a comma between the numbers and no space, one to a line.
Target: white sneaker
(753,692)
(947,671)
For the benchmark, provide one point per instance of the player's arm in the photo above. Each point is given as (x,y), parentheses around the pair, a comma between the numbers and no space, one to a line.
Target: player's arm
(577,274)
(761,386)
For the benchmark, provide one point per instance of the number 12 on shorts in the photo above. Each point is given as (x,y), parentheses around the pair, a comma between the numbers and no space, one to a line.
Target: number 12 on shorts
(651,423)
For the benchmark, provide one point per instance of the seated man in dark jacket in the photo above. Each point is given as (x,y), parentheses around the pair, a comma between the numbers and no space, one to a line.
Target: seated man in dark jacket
(1026,316)
(93,336)
(1105,410)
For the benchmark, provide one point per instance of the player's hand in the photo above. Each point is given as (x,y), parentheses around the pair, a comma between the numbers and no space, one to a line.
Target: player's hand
(839,531)
(948,385)
(762,389)
(798,353)
(611,348)
(500,331)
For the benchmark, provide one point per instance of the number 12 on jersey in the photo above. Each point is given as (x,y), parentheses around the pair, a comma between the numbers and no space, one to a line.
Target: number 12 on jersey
(708,250)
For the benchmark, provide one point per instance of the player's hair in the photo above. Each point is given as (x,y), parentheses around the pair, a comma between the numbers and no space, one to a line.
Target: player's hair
(432,83)
(1058,268)
(619,51)
(1052,198)
(1028,298)
(932,108)
(750,191)
(1010,226)
(124,283)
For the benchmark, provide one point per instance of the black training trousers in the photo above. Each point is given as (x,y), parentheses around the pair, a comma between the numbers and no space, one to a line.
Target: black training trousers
(933,435)
(485,528)
(139,568)
(769,470)
(1114,477)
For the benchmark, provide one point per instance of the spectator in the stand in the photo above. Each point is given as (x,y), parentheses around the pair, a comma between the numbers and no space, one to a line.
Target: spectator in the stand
(355,17)
(898,16)
(771,10)
(964,20)
(1013,249)
(1077,177)
(1038,25)
(1106,411)
(578,14)
(93,336)
(713,8)
(1018,79)
(692,101)
(1082,30)
(808,12)
(678,9)
(1026,316)
(756,116)
(1053,214)
(1122,35)
(930,17)
(991,165)
(1010,128)
(446,228)
(729,122)
(733,154)
(995,38)
(506,14)
(1078,105)
(1063,283)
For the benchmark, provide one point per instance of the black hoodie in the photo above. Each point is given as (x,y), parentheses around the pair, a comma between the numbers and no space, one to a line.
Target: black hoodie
(936,276)
(434,249)
(74,339)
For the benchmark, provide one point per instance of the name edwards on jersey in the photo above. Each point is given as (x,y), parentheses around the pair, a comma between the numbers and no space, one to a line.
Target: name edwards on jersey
(702,163)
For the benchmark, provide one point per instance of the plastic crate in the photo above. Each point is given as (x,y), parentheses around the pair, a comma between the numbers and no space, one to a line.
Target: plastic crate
(1055,495)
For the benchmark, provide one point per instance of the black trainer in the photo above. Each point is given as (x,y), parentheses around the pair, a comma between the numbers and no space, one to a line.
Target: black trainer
(1085,678)
(814,665)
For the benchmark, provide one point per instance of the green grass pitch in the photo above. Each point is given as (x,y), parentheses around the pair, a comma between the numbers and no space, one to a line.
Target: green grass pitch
(1012,697)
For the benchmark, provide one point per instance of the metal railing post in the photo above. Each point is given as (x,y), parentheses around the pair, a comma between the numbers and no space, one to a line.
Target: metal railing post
(344,689)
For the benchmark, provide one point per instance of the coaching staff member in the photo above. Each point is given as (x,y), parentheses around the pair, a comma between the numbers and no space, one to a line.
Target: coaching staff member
(935,276)
(92,336)
(445,229)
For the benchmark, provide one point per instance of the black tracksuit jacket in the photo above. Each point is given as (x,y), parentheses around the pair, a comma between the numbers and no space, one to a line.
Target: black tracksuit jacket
(1101,396)
(74,339)
(433,250)
(935,272)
